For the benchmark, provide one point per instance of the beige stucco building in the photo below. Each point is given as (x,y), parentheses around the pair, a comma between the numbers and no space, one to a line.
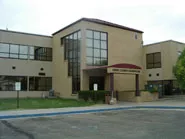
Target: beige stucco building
(84,53)
(159,59)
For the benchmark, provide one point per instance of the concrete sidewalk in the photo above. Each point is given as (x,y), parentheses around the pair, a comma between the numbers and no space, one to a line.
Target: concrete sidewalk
(92,109)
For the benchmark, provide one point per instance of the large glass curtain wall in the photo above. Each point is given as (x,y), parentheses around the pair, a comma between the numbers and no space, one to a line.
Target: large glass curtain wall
(72,43)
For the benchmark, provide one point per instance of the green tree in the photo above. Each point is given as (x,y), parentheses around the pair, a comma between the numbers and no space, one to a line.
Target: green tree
(179,70)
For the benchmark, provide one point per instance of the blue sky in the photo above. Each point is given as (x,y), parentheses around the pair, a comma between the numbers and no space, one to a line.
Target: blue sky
(160,20)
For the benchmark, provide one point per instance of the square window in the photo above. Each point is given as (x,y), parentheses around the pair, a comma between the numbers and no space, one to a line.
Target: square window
(23,49)
(4,48)
(89,51)
(96,52)
(97,61)
(89,42)
(96,35)
(104,61)
(14,49)
(89,34)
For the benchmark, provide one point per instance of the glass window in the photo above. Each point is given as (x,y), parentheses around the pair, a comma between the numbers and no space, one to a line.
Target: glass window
(23,50)
(89,34)
(103,45)
(89,60)
(75,35)
(103,36)
(89,51)
(153,60)
(72,54)
(7,83)
(40,83)
(104,61)
(96,35)
(14,48)
(14,55)
(96,52)
(4,55)
(4,83)
(96,61)
(89,42)
(149,58)
(79,34)
(23,56)
(42,53)
(97,43)
(32,51)
(157,57)
(4,48)
(157,65)
(103,53)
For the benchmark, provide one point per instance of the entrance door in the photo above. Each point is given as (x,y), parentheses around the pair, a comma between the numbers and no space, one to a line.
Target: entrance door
(96,80)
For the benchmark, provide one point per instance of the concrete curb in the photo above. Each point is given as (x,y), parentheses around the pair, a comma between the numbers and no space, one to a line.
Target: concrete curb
(14,116)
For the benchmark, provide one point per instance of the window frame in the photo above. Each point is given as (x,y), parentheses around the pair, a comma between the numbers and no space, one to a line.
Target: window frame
(72,52)
(28,55)
(153,63)
(35,85)
(102,59)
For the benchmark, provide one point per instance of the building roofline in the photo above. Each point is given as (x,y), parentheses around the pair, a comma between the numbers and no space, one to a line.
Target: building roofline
(25,33)
(98,21)
(162,42)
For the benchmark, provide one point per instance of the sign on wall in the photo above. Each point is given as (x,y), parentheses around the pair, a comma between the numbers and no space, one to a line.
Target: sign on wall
(17,86)
(95,87)
(123,70)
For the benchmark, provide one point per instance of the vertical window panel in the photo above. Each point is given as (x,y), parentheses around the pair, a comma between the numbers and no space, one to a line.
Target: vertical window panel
(89,34)
(96,35)
(103,36)
(72,54)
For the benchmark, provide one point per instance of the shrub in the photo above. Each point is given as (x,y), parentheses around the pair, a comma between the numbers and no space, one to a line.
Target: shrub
(93,95)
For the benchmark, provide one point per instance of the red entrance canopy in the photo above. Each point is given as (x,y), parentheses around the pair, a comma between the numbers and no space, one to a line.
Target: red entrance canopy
(121,65)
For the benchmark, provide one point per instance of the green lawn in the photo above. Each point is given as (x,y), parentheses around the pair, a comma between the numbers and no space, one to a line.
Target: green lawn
(39,103)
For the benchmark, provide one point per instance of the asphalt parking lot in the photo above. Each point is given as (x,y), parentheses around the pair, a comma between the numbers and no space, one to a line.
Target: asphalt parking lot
(127,124)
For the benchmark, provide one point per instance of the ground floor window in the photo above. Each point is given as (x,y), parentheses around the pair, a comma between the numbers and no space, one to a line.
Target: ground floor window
(7,83)
(40,83)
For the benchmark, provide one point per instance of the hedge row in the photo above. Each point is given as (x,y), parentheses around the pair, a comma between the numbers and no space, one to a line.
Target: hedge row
(93,95)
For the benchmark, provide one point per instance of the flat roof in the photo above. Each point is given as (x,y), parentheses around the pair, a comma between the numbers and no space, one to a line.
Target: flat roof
(163,42)
(25,33)
(102,22)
